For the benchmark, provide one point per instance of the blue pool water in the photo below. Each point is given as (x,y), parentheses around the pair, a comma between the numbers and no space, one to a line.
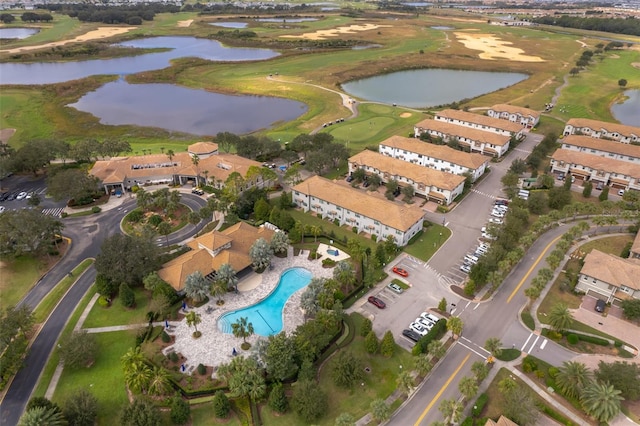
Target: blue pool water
(266,315)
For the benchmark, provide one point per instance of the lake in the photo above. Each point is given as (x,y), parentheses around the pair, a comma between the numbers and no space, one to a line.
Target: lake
(181,47)
(628,112)
(236,25)
(186,110)
(430,87)
(18,33)
(289,20)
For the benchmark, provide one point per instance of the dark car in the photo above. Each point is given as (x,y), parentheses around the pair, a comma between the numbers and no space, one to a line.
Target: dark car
(600,305)
(377,302)
(410,334)
(349,178)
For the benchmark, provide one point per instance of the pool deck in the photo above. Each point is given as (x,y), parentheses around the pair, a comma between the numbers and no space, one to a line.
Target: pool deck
(214,347)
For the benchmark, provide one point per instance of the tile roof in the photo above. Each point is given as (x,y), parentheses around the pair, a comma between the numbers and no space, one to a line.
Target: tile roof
(602,145)
(597,162)
(611,269)
(513,109)
(467,132)
(469,160)
(502,421)
(397,216)
(419,174)
(483,120)
(621,129)
(635,248)
(203,148)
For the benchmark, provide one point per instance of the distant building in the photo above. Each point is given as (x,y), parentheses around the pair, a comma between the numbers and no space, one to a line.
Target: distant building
(502,421)
(481,122)
(211,250)
(602,130)
(525,116)
(480,141)
(434,185)
(352,207)
(602,147)
(609,277)
(438,157)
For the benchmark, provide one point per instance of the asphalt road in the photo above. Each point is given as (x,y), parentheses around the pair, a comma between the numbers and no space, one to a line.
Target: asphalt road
(87,234)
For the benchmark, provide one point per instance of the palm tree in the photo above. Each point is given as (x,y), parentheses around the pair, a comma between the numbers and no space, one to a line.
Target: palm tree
(405,382)
(344,274)
(196,161)
(196,287)
(242,328)
(560,318)
(480,370)
(159,381)
(572,378)
(218,289)
(315,231)
(468,387)
(493,345)
(451,410)
(602,401)
(227,275)
(137,376)
(436,349)
(455,325)
(422,364)
(193,319)
(507,385)
(171,154)
(39,416)
(599,221)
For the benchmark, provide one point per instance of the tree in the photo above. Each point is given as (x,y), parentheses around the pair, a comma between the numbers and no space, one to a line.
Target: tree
(80,408)
(136,370)
(33,155)
(344,274)
(631,308)
(387,345)
(436,349)
(193,319)
(159,382)
(622,83)
(278,399)
(537,202)
(180,411)
(572,378)
(140,413)
(218,289)
(127,259)
(244,377)
(560,317)
(455,325)
(114,147)
(442,305)
(468,387)
(280,242)
(345,419)
(604,194)
(451,410)
(520,407)
(127,296)
(380,411)
(405,382)
(79,349)
(41,401)
(309,401)
(280,356)
(242,329)
(41,416)
(221,405)
(574,71)
(507,385)
(601,401)
(587,188)
(493,345)
(371,342)
(196,287)
(347,370)
(422,364)
(480,370)
(27,231)
(72,184)
(165,228)
(408,192)
(15,327)
(260,254)
(227,275)
(623,376)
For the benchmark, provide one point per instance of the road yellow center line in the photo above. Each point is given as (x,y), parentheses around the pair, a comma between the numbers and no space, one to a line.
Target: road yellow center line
(532,268)
(442,389)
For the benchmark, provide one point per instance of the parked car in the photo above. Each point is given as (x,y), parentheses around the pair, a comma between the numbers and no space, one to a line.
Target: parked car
(466,268)
(2,209)
(600,305)
(496,220)
(418,328)
(349,178)
(395,287)
(425,323)
(599,186)
(430,317)
(366,184)
(21,195)
(412,335)
(501,202)
(377,302)
(498,214)
(621,192)
(400,271)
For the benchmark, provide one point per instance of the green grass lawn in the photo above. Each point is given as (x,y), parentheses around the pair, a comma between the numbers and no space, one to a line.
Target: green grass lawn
(202,414)
(117,314)
(18,277)
(428,242)
(105,379)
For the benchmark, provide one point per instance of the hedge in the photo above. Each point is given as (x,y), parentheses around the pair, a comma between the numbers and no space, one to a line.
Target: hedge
(436,333)
(479,404)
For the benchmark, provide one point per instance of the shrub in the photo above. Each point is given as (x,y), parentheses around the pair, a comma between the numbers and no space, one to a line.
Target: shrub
(553,372)
(180,411)
(105,286)
(388,345)
(202,370)
(221,405)
(470,288)
(165,337)
(436,333)
(95,209)
(354,229)
(102,301)
(127,296)
(593,339)
(155,220)
(173,357)
(529,364)
(572,339)
(367,326)
(277,399)
(371,342)
(617,344)
(479,404)
(328,262)
(135,216)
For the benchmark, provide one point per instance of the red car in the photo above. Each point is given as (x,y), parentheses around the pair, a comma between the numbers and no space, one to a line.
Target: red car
(376,302)
(400,271)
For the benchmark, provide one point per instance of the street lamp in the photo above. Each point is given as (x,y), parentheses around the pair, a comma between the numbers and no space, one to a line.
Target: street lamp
(440,238)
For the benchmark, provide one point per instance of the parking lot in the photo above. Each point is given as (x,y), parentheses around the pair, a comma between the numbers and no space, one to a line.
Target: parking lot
(17,190)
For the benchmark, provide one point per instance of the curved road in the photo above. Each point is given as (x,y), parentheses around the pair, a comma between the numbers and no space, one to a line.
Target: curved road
(87,234)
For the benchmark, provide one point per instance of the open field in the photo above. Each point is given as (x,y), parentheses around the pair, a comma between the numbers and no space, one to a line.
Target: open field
(406,42)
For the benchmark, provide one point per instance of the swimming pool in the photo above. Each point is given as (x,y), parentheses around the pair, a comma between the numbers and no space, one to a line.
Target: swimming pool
(266,315)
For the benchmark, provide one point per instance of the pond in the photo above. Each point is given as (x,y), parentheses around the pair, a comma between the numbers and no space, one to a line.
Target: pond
(236,25)
(186,110)
(18,33)
(417,4)
(289,20)
(442,27)
(430,87)
(628,112)
(180,47)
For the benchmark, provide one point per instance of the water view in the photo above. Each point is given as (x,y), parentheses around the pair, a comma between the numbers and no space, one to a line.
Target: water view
(266,316)
(18,33)
(628,112)
(290,20)
(180,109)
(430,87)
(236,25)
(442,27)
(180,47)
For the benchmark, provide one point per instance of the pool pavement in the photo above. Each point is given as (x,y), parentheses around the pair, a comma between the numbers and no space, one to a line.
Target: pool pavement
(214,347)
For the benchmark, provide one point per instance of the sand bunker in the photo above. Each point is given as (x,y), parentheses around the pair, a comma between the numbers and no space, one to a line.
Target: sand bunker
(493,48)
(5,135)
(185,24)
(323,34)
(102,32)
(636,65)
(405,115)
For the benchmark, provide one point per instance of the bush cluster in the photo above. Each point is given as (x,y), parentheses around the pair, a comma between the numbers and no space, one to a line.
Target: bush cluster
(436,333)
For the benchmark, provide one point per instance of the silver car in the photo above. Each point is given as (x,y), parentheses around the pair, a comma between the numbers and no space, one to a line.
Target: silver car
(395,287)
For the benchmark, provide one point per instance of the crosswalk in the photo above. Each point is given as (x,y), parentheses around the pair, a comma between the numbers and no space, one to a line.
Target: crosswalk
(526,151)
(56,212)
(484,194)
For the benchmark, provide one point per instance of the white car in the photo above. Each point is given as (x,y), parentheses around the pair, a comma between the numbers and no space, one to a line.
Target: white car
(497,214)
(496,220)
(425,323)
(466,268)
(2,209)
(418,328)
(21,195)
(621,192)
(430,317)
